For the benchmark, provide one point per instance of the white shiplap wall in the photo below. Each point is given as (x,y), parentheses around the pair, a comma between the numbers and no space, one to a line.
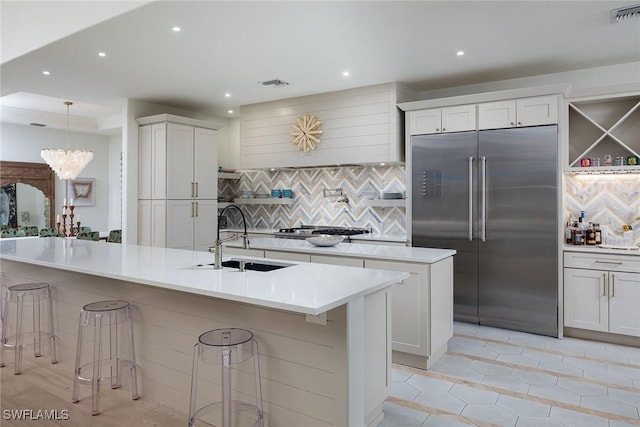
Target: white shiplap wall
(361,125)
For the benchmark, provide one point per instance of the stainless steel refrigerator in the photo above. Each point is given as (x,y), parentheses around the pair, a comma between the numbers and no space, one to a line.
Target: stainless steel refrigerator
(492,196)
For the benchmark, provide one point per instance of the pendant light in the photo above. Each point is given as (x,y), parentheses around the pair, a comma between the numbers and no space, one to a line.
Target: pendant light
(67,164)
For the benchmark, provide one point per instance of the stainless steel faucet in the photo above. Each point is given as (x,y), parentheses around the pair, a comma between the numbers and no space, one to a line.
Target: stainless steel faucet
(217,249)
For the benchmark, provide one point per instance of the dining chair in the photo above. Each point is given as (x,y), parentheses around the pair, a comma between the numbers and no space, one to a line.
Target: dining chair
(115,236)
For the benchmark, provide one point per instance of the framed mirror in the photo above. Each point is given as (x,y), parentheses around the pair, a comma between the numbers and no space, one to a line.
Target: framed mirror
(15,179)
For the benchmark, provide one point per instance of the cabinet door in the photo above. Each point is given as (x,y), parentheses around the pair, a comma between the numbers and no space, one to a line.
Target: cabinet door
(497,115)
(541,110)
(585,299)
(409,299)
(337,260)
(159,223)
(152,161)
(459,118)
(624,296)
(205,167)
(287,256)
(144,164)
(180,219)
(144,222)
(180,184)
(205,225)
(425,121)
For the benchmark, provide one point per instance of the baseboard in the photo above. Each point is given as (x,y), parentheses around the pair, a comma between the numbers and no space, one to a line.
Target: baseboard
(602,336)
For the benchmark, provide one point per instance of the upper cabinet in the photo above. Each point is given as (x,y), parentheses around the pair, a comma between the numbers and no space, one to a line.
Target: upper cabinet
(361,126)
(442,120)
(605,128)
(541,110)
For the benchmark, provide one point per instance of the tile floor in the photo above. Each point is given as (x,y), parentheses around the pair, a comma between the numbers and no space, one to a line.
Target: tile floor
(492,377)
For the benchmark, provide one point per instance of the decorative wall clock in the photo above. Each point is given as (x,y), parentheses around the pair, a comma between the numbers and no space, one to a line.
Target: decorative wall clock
(307,134)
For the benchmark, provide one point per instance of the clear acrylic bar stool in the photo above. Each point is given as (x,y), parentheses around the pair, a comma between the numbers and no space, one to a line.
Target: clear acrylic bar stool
(37,293)
(227,347)
(99,315)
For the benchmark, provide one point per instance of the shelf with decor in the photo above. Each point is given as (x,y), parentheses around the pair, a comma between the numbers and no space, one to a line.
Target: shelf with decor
(385,203)
(601,128)
(228,175)
(269,201)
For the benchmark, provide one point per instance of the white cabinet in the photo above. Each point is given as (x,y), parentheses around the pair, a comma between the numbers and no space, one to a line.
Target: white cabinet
(191,224)
(422,310)
(152,222)
(541,110)
(443,120)
(422,314)
(600,294)
(177,166)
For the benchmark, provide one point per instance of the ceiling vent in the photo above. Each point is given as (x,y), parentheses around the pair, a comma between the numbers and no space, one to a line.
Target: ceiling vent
(624,13)
(275,83)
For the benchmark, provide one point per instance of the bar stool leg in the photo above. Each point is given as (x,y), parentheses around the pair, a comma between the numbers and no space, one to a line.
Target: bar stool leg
(113,350)
(256,362)
(54,354)
(97,351)
(37,330)
(132,358)
(194,384)
(226,387)
(81,324)
(19,338)
(4,340)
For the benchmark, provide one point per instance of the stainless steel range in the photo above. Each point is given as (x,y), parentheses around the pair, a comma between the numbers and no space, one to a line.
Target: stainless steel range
(305,231)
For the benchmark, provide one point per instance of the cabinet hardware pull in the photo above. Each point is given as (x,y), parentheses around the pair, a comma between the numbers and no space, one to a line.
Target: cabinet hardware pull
(192,189)
(443,129)
(191,209)
(613,286)
(608,262)
(604,284)
(519,123)
(196,189)
(437,129)
(196,209)
(513,124)
(470,198)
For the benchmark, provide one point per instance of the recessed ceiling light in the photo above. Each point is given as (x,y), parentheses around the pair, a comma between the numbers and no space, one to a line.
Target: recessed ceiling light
(102,54)
(460,52)
(381,163)
(227,95)
(176,29)
(46,73)
(230,111)
(346,73)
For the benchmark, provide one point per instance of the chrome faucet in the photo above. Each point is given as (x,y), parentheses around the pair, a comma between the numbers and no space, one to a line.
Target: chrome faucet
(217,249)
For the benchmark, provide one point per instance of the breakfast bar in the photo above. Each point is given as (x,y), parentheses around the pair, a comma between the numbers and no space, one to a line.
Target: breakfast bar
(323,331)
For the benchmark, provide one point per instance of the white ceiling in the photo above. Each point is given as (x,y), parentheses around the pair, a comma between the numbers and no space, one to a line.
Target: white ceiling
(233,46)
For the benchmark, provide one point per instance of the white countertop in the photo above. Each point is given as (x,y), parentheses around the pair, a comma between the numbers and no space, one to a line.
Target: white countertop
(601,250)
(303,287)
(381,251)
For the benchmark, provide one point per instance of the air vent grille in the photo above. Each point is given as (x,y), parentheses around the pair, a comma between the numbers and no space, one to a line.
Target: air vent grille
(624,13)
(275,83)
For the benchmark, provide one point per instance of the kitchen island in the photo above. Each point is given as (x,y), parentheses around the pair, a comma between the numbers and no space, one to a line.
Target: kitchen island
(422,305)
(323,331)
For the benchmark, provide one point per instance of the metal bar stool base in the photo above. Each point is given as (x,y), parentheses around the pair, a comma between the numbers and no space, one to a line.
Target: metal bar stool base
(245,415)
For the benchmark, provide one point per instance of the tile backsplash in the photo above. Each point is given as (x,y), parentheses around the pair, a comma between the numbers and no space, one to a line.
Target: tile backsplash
(610,200)
(311,207)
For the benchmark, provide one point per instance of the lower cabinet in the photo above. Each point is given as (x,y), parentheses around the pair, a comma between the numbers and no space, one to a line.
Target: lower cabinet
(422,305)
(192,224)
(152,223)
(603,297)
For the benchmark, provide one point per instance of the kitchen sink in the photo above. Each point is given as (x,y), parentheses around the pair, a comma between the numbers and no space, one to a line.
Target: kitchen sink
(250,265)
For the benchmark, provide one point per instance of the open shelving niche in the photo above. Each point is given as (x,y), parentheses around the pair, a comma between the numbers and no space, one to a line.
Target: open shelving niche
(604,126)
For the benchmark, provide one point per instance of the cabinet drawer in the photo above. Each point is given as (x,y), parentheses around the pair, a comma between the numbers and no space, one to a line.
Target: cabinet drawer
(610,262)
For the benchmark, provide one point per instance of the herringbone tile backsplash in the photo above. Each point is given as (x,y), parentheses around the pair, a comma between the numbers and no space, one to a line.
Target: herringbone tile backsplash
(311,208)
(610,200)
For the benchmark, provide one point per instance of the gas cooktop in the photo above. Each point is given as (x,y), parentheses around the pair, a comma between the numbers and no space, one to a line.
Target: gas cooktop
(305,231)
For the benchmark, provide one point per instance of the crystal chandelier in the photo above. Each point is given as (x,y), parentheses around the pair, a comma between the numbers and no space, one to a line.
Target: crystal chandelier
(67,164)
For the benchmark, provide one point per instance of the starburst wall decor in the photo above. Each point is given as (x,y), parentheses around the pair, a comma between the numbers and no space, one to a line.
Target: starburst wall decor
(307,134)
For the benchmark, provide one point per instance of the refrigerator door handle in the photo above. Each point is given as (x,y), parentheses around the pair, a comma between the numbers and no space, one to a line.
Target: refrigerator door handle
(483,209)
(470,198)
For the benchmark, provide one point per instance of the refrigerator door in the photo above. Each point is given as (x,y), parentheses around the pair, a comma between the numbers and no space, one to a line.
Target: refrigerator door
(443,203)
(518,256)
